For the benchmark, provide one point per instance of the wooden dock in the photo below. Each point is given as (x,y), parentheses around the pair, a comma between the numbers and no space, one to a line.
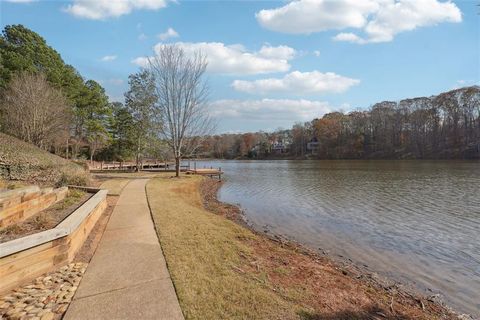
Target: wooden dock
(154,166)
(131,165)
(207,172)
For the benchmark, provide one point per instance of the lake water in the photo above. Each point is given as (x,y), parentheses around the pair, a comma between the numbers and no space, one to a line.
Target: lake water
(415,221)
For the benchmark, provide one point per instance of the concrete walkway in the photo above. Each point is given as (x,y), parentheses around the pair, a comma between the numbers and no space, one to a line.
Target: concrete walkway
(127,277)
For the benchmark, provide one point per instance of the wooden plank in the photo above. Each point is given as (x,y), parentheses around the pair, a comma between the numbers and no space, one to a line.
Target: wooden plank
(72,222)
(20,264)
(27,274)
(25,253)
(78,237)
(33,240)
(4,195)
(27,208)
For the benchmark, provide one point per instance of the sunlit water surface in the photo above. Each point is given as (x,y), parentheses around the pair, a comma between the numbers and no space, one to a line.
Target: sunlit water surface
(415,221)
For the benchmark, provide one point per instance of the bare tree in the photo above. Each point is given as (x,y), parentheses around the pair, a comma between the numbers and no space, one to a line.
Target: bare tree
(32,110)
(182,95)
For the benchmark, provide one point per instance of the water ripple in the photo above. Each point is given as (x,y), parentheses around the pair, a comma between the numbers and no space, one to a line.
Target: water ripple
(416,220)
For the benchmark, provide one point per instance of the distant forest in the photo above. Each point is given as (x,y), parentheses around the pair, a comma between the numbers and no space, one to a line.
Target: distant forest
(446,126)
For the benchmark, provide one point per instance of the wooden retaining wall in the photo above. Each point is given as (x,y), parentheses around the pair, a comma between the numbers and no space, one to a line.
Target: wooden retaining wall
(18,205)
(24,259)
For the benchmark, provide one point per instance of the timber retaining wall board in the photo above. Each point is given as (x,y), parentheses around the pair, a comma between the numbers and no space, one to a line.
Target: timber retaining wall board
(18,205)
(24,259)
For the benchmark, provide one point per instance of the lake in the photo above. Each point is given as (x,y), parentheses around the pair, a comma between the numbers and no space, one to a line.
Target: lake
(414,221)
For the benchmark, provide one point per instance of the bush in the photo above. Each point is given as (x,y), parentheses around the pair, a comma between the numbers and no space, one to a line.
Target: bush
(74,178)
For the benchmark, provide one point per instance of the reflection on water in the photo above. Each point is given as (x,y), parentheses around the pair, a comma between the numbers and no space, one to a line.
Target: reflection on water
(414,220)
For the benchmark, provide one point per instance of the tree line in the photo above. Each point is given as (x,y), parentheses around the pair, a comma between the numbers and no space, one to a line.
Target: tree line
(446,126)
(46,102)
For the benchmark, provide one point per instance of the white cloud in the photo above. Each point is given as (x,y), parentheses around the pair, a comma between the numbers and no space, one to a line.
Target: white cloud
(109,58)
(235,59)
(316,53)
(170,33)
(298,82)
(140,61)
(142,36)
(349,37)
(379,20)
(270,109)
(307,16)
(102,9)
(280,52)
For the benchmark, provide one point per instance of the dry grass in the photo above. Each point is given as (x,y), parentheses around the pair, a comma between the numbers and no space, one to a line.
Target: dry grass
(114,186)
(222,270)
(205,254)
(21,161)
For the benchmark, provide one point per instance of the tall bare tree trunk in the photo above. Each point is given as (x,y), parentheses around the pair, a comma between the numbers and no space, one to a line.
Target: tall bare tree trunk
(182,96)
(177,166)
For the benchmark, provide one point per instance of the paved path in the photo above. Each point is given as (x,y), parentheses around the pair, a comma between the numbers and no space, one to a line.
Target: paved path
(127,277)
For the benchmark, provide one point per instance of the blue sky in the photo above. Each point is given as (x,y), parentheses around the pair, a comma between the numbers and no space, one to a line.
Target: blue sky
(271,63)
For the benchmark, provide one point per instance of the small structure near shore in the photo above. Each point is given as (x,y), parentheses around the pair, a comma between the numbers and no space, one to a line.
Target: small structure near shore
(210,172)
(207,172)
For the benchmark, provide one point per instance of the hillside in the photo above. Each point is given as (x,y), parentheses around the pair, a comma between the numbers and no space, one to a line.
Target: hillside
(25,162)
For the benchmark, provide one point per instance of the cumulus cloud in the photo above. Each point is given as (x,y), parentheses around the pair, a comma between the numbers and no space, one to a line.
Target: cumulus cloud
(102,9)
(349,37)
(379,20)
(235,59)
(280,52)
(270,109)
(298,82)
(109,58)
(170,33)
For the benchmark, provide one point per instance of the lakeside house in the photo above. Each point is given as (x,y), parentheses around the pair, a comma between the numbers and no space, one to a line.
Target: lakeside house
(313,146)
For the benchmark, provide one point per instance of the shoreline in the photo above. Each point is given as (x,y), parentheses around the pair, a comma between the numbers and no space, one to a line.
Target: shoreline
(328,159)
(409,294)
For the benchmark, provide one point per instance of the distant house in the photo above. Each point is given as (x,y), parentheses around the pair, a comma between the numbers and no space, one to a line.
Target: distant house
(278,148)
(313,145)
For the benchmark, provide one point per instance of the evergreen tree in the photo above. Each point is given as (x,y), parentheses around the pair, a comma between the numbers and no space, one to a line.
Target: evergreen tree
(140,101)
